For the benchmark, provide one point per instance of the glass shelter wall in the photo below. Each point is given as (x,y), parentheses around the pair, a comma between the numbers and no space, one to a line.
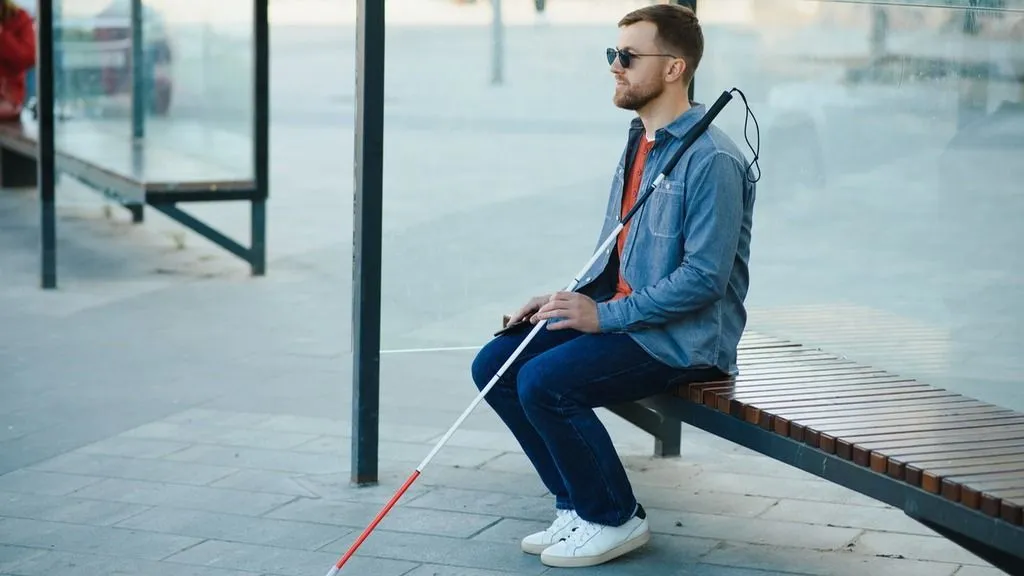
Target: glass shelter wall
(887,225)
(891,144)
(190,99)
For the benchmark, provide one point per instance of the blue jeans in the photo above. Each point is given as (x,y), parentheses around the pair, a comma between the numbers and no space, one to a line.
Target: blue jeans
(547,397)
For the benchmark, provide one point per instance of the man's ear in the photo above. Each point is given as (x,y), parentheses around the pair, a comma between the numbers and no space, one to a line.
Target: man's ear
(676,70)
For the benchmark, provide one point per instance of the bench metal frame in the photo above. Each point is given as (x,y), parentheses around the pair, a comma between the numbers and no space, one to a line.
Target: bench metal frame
(992,539)
(24,164)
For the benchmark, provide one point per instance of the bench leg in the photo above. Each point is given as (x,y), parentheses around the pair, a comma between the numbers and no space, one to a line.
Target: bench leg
(138,215)
(17,171)
(258,248)
(667,432)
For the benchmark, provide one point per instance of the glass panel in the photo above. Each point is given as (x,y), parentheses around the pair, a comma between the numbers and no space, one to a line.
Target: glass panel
(493,192)
(887,223)
(194,91)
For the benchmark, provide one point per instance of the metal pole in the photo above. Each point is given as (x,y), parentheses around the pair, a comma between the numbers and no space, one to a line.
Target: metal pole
(46,166)
(138,73)
(366,261)
(261,137)
(498,44)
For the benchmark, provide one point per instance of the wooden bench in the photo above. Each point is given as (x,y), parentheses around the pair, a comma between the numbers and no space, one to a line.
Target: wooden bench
(176,162)
(951,462)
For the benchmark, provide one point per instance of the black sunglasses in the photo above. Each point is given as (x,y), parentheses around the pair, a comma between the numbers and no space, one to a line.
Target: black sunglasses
(626,57)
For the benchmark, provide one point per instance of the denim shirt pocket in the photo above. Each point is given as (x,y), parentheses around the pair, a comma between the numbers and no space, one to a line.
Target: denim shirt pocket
(664,209)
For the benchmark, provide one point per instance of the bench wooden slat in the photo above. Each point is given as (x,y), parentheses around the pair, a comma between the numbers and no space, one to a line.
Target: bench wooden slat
(735,402)
(896,466)
(880,461)
(761,412)
(970,494)
(951,424)
(1011,506)
(765,418)
(889,416)
(732,398)
(695,391)
(864,446)
(957,488)
(931,478)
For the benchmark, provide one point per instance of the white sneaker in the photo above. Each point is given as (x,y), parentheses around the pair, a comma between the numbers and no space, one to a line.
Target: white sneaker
(590,544)
(537,542)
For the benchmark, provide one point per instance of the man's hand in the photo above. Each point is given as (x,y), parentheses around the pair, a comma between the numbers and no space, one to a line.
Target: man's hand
(574,310)
(529,309)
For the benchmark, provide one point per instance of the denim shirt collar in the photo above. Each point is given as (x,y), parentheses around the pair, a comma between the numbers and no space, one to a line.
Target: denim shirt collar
(677,127)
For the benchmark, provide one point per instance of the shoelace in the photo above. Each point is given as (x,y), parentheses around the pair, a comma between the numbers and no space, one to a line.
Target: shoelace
(582,532)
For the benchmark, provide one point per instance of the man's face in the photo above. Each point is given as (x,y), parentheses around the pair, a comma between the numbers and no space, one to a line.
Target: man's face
(644,80)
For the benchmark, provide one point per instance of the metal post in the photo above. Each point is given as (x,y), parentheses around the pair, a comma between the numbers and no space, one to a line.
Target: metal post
(139,83)
(261,136)
(366,260)
(46,165)
(498,44)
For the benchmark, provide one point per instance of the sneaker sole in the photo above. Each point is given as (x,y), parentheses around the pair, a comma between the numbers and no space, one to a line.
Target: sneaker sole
(584,561)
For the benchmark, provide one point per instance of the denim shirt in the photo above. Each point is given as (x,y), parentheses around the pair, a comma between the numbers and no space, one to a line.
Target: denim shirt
(686,253)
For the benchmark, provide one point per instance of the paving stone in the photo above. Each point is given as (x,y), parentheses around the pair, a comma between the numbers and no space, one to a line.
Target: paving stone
(804,561)
(389,430)
(338,487)
(439,570)
(282,561)
(91,539)
(65,509)
(12,556)
(229,527)
(979,571)
(660,472)
(48,483)
(270,482)
(273,460)
(441,550)
(502,441)
(831,514)
(511,531)
(407,452)
(817,490)
(227,418)
(135,469)
(401,518)
(192,497)
(932,548)
(206,433)
(698,498)
(134,447)
(476,502)
(483,480)
(753,530)
(48,563)
(712,570)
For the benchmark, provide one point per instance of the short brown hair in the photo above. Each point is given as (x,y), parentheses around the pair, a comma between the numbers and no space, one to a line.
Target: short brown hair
(679,32)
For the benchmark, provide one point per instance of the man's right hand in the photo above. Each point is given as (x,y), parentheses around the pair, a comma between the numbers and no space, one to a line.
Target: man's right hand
(529,309)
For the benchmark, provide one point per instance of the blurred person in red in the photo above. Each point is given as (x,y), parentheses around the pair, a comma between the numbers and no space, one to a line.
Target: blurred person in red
(17,57)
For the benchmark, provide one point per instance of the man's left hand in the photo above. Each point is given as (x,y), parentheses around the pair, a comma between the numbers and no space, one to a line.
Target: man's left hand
(573,310)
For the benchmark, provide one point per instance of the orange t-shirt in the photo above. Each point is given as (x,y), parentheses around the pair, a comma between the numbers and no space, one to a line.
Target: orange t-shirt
(629,196)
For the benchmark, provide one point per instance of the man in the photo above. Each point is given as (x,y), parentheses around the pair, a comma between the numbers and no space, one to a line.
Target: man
(665,305)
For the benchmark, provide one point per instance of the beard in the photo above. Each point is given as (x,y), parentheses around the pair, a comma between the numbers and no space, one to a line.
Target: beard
(636,96)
